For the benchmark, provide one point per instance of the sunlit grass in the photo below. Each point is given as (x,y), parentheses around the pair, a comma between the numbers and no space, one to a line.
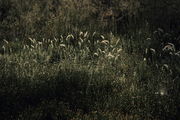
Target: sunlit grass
(92,77)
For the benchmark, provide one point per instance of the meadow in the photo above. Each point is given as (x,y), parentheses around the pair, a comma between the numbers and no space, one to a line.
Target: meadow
(89,60)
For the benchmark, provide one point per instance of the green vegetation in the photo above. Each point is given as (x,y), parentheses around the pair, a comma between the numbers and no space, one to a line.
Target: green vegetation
(89,60)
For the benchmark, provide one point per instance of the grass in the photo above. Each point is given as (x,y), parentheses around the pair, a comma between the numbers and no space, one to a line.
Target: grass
(83,76)
(53,66)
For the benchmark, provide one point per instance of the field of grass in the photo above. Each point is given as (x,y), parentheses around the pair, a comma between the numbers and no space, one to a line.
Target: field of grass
(89,60)
(84,76)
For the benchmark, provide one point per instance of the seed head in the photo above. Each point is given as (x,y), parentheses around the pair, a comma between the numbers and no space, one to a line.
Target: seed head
(105,42)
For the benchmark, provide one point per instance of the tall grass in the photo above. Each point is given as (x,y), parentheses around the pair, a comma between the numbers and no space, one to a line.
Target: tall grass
(84,74)
(67,60)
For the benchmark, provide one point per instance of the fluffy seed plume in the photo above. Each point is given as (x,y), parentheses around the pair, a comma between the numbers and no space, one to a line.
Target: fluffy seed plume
(62,45)
(6,41)
(105,42)
(69,37)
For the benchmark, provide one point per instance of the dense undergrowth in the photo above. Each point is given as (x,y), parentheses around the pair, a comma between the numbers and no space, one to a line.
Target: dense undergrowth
(89,60)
